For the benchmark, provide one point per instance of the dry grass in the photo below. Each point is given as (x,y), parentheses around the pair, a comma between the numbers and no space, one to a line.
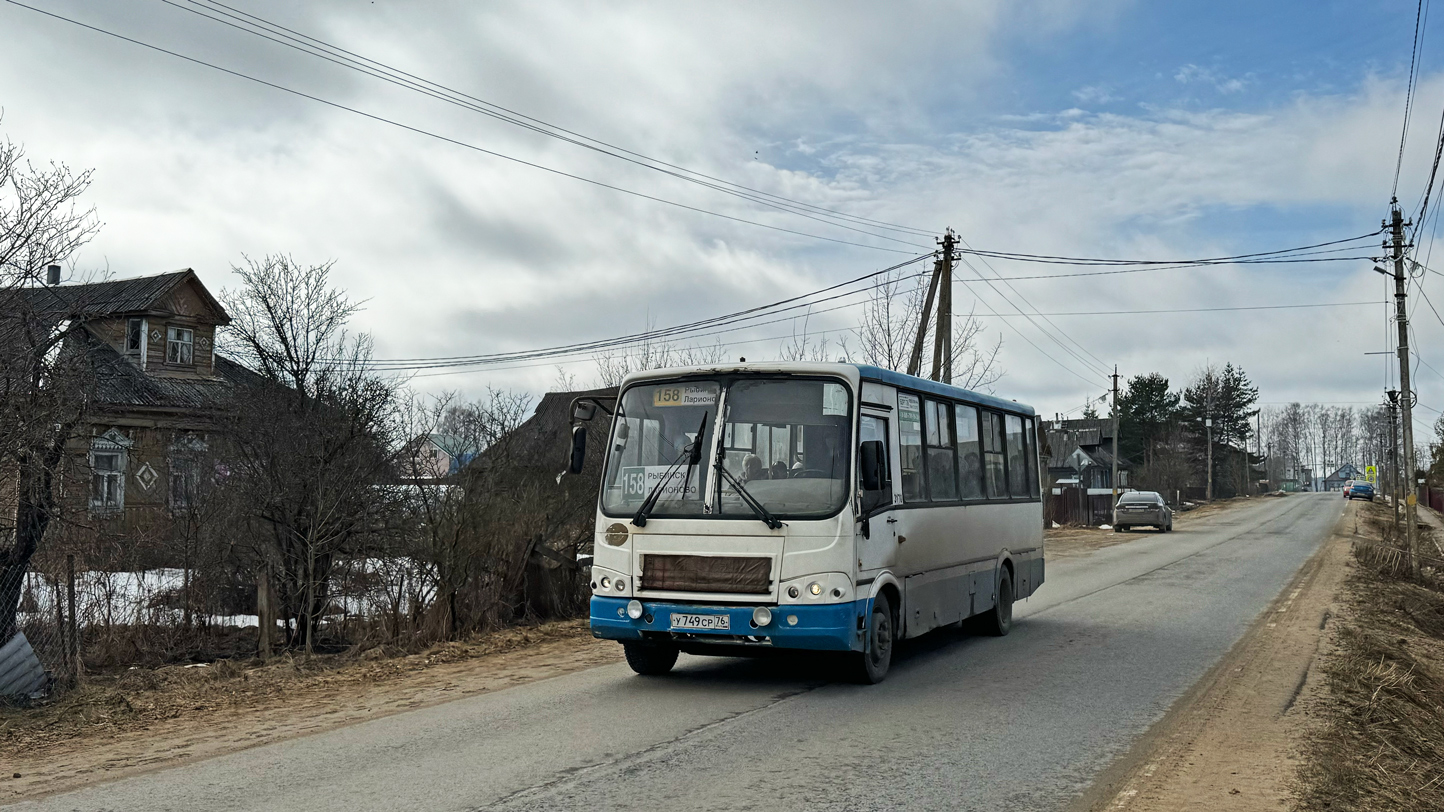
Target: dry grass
(1380,743)
(139,697)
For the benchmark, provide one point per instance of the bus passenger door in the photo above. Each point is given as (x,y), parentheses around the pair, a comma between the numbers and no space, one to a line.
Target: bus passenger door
(878,548)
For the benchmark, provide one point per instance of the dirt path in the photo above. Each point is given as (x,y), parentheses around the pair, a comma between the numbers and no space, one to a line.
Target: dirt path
(1231,742)
(61,755)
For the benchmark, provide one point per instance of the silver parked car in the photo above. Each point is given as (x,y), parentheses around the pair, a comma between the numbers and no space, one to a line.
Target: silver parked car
(1140,508)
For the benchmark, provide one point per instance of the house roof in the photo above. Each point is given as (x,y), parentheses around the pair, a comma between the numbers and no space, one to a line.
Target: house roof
(121,384)
(1066,448)
(1346,471)
(455,447)
(116,297)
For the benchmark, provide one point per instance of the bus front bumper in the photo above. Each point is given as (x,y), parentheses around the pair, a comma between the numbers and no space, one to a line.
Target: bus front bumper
(822,627)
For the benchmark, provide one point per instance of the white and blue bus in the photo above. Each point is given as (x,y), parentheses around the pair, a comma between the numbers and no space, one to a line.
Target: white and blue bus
(834,507)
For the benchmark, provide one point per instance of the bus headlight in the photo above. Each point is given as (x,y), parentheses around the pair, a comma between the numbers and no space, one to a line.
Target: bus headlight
(634,609)
(606,582)
(761,616)
(815,588)
(621,584)
(793,592)
(616,534)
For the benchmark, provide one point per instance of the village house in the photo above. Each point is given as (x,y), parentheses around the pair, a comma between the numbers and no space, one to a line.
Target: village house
(1081,454)
(157,389)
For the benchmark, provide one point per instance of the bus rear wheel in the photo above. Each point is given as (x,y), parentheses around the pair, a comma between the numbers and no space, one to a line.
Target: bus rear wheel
(650,659)
(1000,619)
(870,666)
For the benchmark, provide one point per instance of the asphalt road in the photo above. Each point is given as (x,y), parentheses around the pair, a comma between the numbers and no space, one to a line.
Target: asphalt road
(962,722)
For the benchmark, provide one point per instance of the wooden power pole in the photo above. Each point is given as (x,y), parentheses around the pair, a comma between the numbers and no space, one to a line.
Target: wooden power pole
(1406,392)
(943,339)
(1208,438)
(1394,456)
(940,289)
(1115,434)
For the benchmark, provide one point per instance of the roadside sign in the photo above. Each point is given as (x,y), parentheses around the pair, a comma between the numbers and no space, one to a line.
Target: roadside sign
(1371,474)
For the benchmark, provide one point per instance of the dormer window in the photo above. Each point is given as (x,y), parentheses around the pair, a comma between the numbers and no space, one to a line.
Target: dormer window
(134,335)
(178,344)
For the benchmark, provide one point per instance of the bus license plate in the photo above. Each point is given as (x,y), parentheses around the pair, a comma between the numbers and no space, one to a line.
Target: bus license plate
(701,622)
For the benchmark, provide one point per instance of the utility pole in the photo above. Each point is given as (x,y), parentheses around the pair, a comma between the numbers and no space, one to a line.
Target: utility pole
(1394,456)
(1406,392)
(943,339)
(915,361)
(1208,439)
(1115,434)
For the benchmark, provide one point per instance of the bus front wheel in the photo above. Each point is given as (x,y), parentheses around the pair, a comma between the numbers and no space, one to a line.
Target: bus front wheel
(650,659)
(1000,619)
(872,663)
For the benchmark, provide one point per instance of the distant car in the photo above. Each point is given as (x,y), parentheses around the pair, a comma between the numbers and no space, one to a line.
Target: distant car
(1142,508)
(1348,486)
(1360,490)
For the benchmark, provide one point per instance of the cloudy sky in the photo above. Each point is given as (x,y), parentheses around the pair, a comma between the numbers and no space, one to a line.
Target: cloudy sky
(1108,128)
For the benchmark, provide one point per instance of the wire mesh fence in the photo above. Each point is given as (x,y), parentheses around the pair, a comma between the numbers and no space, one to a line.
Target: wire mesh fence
(78,615)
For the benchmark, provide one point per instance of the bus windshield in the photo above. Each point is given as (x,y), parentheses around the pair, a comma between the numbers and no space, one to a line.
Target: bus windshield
(786,440)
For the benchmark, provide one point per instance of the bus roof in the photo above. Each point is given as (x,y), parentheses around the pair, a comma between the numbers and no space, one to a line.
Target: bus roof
(891,378)
(847,370)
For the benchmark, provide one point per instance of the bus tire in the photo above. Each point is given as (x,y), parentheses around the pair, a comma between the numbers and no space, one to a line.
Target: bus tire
(870,665)
(650,659)
(998,621)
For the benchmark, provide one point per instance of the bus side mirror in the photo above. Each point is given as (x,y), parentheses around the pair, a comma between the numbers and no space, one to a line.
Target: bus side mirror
(870,464)
(579,450)
(584,410)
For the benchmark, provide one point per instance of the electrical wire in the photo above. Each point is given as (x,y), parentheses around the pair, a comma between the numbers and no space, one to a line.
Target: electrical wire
(1408,95)
(443,138)
(1238,259)
(788,207)
(794,302)
(248,22)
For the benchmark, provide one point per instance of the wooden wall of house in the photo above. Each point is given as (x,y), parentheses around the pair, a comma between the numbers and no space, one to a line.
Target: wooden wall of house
(146,514)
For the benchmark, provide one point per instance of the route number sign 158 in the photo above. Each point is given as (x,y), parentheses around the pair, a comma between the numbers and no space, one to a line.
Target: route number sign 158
(684,395)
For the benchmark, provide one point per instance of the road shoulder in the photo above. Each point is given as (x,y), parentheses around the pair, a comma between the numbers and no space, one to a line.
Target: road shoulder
(1231,742)
(122,734)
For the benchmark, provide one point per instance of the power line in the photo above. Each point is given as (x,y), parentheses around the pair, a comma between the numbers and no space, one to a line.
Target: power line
(358,62)
(439,137)
(465,102)
(1408,95)
(795,302)
(1204,309)
(1238,259)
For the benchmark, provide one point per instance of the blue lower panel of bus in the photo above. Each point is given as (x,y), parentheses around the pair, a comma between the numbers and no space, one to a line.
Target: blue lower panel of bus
(827,627)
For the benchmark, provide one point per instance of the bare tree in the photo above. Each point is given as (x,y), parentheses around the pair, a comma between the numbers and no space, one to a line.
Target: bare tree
(44,374)
(456,548)
(889,327)
(613,366)
(314,435)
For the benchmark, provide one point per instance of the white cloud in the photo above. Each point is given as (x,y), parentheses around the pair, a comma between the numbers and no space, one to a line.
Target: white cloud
(1193,74)
(458,252)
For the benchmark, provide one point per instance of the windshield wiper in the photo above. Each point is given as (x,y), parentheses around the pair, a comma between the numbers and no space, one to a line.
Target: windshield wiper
(692,454)
(748,499)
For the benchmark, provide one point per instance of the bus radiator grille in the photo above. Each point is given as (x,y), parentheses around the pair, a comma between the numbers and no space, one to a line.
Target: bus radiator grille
(707,573)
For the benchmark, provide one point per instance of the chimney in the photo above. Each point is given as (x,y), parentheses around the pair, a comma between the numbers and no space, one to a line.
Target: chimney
(52,274)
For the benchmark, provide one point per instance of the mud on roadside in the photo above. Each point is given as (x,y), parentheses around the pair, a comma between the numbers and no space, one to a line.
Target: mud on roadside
(1378,741)
(122,724)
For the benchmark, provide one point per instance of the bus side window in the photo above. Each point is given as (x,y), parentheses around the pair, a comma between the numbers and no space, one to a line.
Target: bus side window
(1033,461)
(970,452)
(993,469)
(910,443)
(942,479)
(1017,457)
(875,429)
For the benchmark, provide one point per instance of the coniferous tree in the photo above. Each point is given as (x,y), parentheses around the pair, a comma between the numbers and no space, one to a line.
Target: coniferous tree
(1146,410)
